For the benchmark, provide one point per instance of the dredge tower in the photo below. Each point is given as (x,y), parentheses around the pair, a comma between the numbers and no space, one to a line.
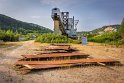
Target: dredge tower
(63,24)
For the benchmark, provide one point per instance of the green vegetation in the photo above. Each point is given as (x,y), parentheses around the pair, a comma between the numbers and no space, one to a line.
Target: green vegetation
(14,30)
(114,38)
(8,23)
(110,38)
(55,38)
(96,31)
(121,30)
(8,35)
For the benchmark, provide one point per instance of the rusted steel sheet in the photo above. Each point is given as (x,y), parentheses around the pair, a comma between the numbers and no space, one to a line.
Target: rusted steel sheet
(58,51)
(47,66)
(58,48)
(55,55)
(62,44)
(53,66)
(65,62)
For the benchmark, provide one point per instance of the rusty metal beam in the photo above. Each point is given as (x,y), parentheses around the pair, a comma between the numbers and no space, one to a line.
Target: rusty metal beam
(65,62)
(58,44)
(56,48)
(66,47)
(55,55)
(47,66)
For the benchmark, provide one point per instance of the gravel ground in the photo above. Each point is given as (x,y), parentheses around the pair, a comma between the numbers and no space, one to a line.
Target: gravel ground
(83,74)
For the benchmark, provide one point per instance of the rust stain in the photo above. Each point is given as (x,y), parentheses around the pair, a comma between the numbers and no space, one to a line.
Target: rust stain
(54,55)
(47,66)
(64,62)
(62,44)
(58,48)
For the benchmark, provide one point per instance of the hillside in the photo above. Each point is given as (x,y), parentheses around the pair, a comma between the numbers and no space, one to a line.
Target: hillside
(7,22)
(95,31)
(104,27)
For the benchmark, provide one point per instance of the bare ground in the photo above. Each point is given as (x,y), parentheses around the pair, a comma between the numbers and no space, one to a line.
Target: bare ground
(11,52)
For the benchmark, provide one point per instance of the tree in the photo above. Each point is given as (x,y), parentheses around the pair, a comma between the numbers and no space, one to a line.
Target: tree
(121,30)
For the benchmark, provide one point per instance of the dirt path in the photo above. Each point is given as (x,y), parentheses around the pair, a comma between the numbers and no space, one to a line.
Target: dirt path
(8,56)
(90,74)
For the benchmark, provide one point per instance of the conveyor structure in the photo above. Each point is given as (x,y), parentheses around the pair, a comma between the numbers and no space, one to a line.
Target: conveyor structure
(63,24)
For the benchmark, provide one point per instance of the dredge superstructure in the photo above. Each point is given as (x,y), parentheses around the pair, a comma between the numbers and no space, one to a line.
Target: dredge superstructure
(63,24)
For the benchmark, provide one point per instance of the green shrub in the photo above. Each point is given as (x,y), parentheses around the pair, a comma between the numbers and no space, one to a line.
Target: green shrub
(121,41)
(9,35)
(111,38)
(55,38)
(121,30)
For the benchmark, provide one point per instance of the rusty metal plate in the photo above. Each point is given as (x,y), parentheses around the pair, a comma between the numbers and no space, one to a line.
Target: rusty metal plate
(55,55)
(47,66)
(56,48)
(65,62)
(60,44)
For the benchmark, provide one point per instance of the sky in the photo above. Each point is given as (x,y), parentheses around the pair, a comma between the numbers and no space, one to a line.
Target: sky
(91,14)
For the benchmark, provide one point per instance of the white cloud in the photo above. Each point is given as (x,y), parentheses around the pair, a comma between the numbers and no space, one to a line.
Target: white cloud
(56,3)
(36,17)
(3,0)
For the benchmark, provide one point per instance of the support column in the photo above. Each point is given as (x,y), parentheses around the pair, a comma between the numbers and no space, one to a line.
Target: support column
(56,27)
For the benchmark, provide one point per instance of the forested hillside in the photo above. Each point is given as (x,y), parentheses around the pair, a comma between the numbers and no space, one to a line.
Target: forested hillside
(8,23)
(96,31)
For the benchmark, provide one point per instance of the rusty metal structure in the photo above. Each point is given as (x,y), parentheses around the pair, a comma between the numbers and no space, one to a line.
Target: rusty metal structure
(55,55)
(59,48)
(58,60)
(63,24)
(61,62)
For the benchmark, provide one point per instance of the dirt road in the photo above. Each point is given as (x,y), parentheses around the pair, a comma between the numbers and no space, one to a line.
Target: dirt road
(90,74)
